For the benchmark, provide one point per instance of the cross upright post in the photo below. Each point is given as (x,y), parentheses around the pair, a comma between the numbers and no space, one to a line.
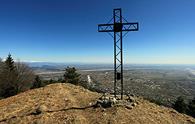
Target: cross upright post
(118,27)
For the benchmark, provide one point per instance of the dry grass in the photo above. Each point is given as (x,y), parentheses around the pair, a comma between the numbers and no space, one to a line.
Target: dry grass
(69,104)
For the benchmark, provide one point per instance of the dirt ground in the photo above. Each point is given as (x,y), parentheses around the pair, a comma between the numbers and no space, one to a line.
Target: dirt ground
(69,104)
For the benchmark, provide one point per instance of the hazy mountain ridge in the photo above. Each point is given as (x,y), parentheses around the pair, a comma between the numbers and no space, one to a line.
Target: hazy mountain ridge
(93,66)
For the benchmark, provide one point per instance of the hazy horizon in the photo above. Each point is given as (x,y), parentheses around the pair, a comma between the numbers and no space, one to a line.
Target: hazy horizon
(98,63)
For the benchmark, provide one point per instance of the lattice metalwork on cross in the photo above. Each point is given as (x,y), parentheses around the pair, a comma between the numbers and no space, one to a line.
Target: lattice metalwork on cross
(118,26)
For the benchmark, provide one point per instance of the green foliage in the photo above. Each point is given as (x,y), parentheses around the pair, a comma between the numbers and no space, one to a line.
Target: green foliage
(1,68)
(180,105)
(8,76)
(52,81)
(84,84)
(60,80)
(91,86)
(191,108)
(71,76)
(37,83)
(14,77)
(157,101)
(9,62)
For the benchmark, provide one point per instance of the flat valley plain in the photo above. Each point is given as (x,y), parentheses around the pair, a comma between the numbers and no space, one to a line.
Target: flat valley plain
(160,83)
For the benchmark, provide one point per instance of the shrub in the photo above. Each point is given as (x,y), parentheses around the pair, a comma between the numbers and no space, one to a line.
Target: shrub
(191,108)
(157,101)
(37,82)
(180,105)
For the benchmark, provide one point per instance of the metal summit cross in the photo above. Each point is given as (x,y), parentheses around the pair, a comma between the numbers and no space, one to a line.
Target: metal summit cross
(118,27)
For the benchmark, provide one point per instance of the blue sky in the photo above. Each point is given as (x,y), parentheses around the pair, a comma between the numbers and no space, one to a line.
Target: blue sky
(66,30)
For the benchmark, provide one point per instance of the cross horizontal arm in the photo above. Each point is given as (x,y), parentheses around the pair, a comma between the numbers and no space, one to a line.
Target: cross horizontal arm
(105,27)
(125,27)
(131,26)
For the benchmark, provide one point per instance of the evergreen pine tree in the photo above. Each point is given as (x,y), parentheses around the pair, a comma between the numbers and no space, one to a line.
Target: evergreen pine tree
(9,62)
(71,76)
(51,81)
(1,65)
(9,76)
(37,82)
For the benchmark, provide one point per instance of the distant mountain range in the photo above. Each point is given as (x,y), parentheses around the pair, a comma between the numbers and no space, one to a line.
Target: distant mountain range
(62,66)
(82,66)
